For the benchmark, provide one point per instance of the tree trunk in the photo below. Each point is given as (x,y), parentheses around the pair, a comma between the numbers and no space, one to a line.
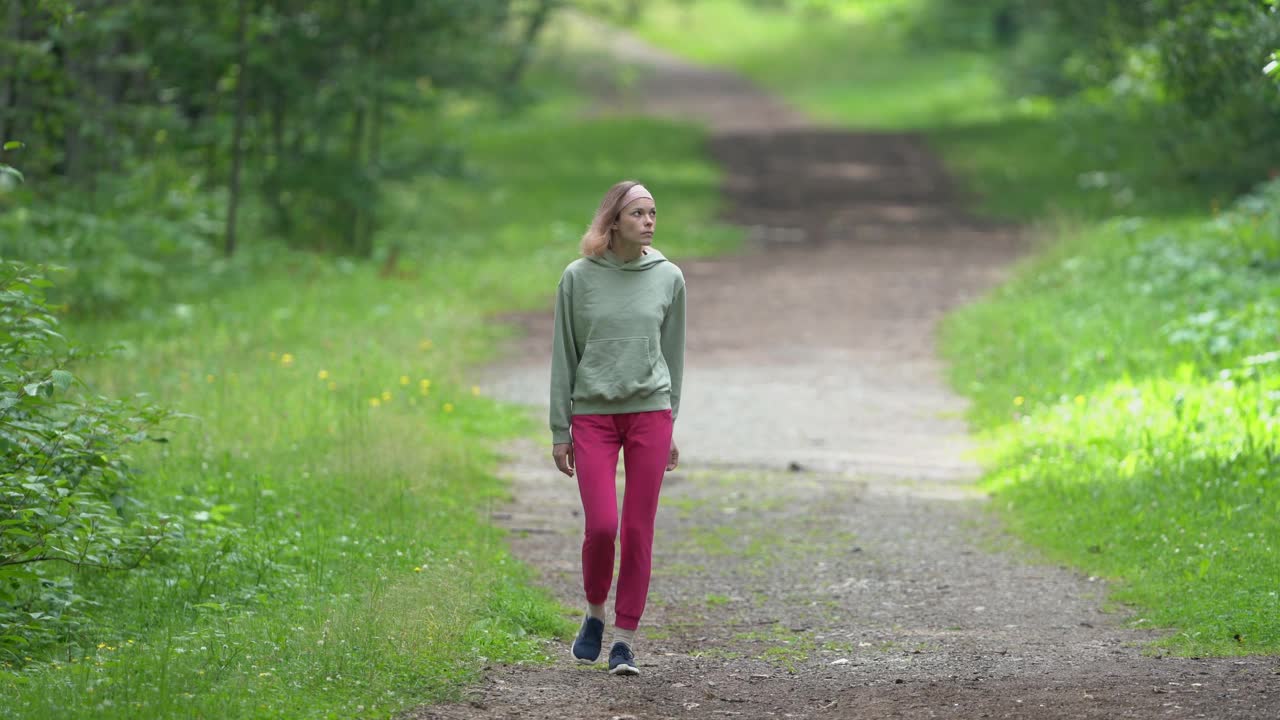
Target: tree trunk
(86,125)
(112,84)
(13,22)
(73,140)
(525,52)
(377,53)
(375,171)
(275,175)
(237,134)
(357,140)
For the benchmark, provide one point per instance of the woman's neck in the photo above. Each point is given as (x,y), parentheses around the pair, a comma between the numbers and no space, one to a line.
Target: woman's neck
(626,251)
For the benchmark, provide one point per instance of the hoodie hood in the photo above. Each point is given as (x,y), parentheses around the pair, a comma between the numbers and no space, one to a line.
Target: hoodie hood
(650,259)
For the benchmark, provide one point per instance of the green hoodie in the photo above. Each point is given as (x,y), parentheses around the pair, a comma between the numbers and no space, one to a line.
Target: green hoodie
(619,339)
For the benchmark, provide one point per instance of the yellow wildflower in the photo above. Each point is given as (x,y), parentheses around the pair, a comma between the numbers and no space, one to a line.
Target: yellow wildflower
(386,396)
(404,379)
(1018,400)
(1079,399)
(424,345)
(374,402)
(323,375)
(448,407)
(286,360)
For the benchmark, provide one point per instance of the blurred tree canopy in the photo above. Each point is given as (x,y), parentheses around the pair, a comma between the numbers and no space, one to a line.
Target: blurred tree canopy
(295,95)
(1192,70)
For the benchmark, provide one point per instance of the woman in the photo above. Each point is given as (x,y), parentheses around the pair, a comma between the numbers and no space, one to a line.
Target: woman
(617,359)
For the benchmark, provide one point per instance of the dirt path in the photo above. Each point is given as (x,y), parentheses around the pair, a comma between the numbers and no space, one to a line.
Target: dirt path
(820,553)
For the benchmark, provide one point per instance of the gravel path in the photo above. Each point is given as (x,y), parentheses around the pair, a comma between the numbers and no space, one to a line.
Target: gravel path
(821,553)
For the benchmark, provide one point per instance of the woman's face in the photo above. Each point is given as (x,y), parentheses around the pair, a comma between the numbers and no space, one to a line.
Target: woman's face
(636,222)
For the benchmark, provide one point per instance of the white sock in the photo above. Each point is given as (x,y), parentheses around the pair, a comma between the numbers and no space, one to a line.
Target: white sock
(624,636)
(595,611)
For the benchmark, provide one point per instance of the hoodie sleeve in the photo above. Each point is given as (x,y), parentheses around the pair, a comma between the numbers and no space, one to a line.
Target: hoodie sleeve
(673,343)
(564,362)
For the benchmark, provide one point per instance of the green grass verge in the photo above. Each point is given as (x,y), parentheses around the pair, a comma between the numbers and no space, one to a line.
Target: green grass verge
(1126,382)
(1125,378)
(335,483)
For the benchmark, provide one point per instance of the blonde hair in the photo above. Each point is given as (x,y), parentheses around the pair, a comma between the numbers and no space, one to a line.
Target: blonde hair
(599,234)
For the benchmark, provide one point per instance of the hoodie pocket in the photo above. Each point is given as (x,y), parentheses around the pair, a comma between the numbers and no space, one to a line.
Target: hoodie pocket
(613,369)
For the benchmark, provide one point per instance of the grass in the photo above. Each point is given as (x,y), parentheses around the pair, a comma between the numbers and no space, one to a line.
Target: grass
(335,482)
(1124,378)
(783,647)
(1125,381)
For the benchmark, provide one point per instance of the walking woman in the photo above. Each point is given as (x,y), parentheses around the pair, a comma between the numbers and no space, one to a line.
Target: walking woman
(616,365)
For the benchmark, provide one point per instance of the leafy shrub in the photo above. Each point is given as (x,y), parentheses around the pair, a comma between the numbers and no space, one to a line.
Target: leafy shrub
(64,473)
(143,241)
(1219,115)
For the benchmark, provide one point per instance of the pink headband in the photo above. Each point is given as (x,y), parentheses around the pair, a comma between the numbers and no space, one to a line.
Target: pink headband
(636,192)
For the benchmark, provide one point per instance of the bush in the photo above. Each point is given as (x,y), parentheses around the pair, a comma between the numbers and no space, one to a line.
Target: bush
(64,473)
(1191,72)
(1219,119)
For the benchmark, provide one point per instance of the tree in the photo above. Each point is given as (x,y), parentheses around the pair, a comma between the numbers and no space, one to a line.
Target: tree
(237,135)
(288,100)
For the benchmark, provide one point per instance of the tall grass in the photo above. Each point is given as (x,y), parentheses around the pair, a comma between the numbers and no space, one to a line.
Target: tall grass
(335,480)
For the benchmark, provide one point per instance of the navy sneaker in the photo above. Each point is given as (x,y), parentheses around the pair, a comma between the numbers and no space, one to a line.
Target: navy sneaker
(622,661)
(587,647)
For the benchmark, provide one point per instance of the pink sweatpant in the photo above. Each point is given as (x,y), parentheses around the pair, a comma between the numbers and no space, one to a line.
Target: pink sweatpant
(645,440)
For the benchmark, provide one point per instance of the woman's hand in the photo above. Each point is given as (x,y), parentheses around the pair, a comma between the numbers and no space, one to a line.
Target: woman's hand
(563,453)
(674,461)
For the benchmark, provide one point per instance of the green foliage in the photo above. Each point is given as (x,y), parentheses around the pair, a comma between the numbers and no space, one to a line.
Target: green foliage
(1219,116)
(309,86)
(1183,70)
(1126,381)
(8,173)
(143,243)
(65,476)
